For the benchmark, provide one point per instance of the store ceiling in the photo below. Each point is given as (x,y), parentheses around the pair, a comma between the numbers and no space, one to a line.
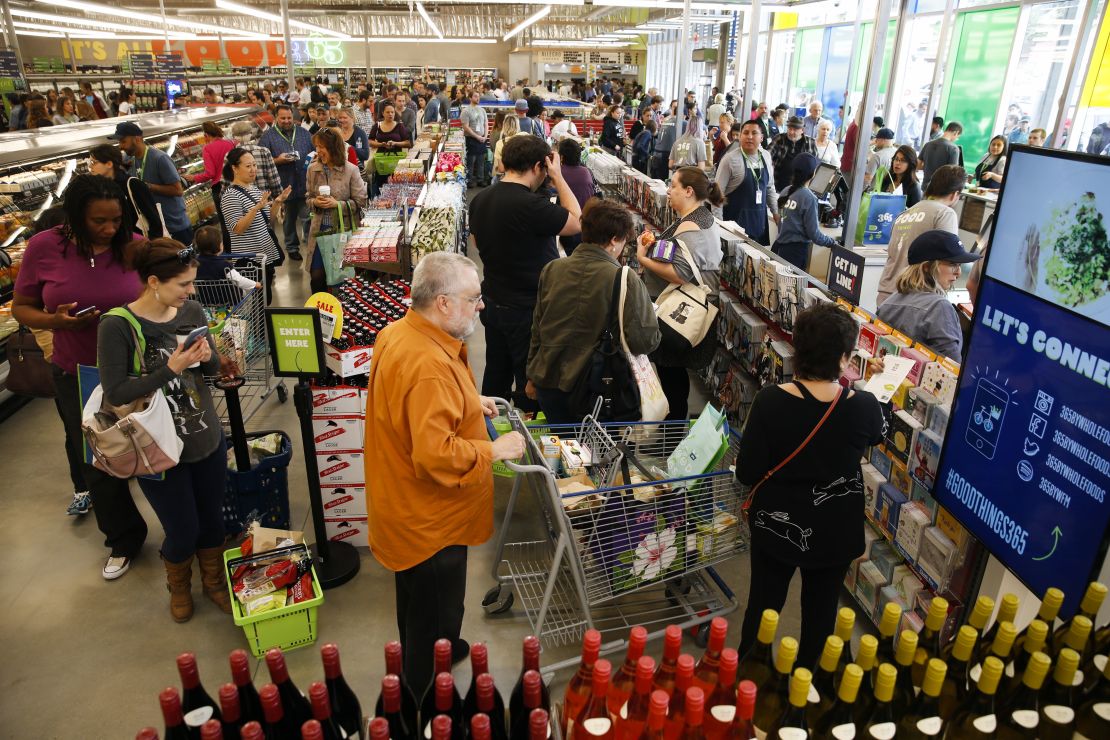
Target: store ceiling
(462,19)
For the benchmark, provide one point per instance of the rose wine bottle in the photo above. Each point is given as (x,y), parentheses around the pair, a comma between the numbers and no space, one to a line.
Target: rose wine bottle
(683,680)
(579,687)
(623,683)
(664,674)
(345,709)
(707,668)
(632,717)
(720,707)
(657,716)
(594,721)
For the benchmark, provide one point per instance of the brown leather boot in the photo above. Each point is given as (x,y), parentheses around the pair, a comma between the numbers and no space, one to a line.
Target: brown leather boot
(212,576)
(179,582)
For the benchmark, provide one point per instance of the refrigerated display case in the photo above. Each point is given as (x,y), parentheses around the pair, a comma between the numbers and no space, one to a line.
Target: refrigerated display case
(36,166)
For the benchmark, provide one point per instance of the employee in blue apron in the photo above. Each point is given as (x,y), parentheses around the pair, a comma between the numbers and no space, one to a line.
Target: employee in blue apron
(745,176)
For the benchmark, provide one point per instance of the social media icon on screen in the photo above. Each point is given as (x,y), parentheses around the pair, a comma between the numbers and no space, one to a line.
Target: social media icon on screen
(1025,471)
(1031,448)
(987,414)
(1043,403)
(1037,425)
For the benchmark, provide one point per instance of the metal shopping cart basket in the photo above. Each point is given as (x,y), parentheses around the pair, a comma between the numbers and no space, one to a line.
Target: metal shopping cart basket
(238,321)
(637,548)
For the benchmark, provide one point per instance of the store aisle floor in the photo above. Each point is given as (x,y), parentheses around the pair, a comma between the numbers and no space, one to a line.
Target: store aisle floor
(86,658)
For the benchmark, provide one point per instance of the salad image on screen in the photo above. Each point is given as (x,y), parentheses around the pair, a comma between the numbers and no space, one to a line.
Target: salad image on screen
(1078,265)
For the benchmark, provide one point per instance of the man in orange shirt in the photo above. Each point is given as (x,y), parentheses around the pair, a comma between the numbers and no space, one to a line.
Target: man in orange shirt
(429,476)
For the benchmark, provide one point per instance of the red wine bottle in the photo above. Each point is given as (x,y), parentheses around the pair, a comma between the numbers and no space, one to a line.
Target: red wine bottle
(250,706)
(394,665)
(442,665)
(705,672)
(442,728)
(490,704)
(312,730)
(443,701)
(229,708)
(379,729)
(251,731)
(479,727)
(625,680)
(533,700)
(664,674)
(531,662)
(147,733)
(539,725)
(195,701)
(212,730)
(172,714)
(479,664)
(391,710)
(632,717)
(345,709)
(321,712)
(277,725)
(295,707)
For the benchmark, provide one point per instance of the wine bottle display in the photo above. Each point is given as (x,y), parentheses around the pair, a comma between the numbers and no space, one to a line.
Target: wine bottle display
(395,666)
(923,719)
(172,715)
(757,665)
(1093,718)
(1032,642)
(839,721)
(742,727)
(664,674)
(880,724)
(1019,714)
(774,694)
(250,706)
(345,707)
(903,663)
(676,713)
(197,705)
(822,692)
(530,662)
(977,717)
(845,625)
(888,632)
(632,717)
(593,721)
(929,641)
(579,688)
(792,724)
(865,659)
(1058,702)
(294,706)
(707,668)
(955,689)
(720,707)
(623,683)
(1007,612)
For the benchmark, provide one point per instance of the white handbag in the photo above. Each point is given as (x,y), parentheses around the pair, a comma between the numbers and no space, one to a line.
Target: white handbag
(687,309)
(653,401)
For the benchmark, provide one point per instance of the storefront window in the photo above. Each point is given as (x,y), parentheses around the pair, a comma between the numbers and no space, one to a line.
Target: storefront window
(1092,123)
(915,72)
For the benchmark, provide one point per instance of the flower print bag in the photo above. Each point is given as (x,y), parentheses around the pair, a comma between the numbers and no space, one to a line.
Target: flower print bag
(138,438)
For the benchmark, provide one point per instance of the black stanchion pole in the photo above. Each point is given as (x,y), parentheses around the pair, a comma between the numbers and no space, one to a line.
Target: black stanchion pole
(336,562)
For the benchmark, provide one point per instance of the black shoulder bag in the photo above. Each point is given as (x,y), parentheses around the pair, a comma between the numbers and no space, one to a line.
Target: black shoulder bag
(608,375)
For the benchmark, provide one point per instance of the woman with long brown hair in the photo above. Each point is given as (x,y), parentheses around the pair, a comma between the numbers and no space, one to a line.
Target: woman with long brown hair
(341,202)
(901,179)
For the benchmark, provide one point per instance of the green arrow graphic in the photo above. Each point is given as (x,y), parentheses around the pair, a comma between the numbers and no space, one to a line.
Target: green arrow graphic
(1056,535)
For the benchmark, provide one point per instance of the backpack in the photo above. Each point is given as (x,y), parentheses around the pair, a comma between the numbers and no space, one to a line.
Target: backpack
(141,221)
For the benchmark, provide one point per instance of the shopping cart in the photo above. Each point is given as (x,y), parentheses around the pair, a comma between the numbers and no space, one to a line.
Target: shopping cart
(637,548)
(238,321)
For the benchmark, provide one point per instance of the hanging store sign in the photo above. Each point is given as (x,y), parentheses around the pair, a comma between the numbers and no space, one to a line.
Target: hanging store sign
(1026,461)
(846,274)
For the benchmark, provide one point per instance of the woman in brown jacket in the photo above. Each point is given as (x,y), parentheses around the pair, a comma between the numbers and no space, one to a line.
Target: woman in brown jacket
(345,194)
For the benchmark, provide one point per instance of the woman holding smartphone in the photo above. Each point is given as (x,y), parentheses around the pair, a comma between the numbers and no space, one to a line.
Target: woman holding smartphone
(70,275)
(189,498)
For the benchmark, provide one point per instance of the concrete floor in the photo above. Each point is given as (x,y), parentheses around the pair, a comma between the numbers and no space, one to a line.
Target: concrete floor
(90,654)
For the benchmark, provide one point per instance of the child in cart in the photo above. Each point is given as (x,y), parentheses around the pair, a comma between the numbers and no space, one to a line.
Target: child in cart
(214,265)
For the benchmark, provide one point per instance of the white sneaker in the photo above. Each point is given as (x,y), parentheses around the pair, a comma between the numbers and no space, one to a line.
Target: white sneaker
(81,504)
(116,566)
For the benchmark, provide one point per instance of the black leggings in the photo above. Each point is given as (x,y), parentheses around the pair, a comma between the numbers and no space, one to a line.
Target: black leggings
(676,387)
(770,581)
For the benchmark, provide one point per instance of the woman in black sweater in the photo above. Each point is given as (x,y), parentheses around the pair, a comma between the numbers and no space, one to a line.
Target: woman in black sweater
(902,177)
(612,130)
(808,513)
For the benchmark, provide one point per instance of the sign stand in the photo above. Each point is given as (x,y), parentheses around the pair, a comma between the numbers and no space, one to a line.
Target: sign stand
(297,352)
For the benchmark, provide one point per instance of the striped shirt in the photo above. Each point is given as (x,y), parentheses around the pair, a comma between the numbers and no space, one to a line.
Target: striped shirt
(267,177)
(235,201)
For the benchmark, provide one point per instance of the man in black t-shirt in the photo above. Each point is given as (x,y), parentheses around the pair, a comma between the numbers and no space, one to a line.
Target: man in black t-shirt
(514,228)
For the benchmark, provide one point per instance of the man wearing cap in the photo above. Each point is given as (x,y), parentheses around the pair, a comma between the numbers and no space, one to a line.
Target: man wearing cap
(290,146)
(921,309)
(880,156)
(475,126)
(155,168)
(933,213)
(788,145)
(800,227)
(520,108)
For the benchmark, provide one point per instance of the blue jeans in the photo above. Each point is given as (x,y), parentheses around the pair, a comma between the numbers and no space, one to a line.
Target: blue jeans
(475,162)
(189,504)
(294,208)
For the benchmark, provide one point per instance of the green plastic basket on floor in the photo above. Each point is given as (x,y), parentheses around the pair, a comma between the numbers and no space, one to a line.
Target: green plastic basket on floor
(536,427)
(287,628)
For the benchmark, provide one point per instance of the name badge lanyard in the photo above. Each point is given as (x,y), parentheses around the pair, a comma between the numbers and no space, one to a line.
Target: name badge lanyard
(142,165)
(757,176)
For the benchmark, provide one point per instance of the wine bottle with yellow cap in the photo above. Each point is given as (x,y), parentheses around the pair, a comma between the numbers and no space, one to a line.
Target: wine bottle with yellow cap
(881,723)
(1078,639)
(845,625)
(929,644)
(1093,718)
(1058,700)
(954,691)
(923,719)
(1007,612)
(757,664)
(888,631)
(822,692)
(977,717)
(1088,608)
(774,694)
(1000,648)
(865,659)
(839,721)
(977,620)
(903,662)
(1035,635)
(1019,715)
(1090,670)
(1051,602)
(792,724)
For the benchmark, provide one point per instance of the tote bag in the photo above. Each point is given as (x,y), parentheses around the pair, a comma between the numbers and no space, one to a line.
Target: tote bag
(685,311)
(653,401)
(138,438)
(331,248)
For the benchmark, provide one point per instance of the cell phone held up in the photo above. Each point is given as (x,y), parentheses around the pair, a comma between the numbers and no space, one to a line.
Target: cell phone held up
(85,311)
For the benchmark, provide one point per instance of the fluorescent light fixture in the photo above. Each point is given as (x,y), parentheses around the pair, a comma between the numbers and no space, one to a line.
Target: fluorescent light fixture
(275,18)
(665,4)
(74,32)
(537,16)
(189,25)
(68,23)
(510,2)
(581,44)
(405,40)
(625,34)
(428,19)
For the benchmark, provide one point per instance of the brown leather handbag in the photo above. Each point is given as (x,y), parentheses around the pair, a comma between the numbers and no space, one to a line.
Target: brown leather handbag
(29,372)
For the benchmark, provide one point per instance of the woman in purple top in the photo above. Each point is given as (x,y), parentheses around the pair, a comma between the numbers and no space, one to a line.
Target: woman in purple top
(70,275)
(580,180)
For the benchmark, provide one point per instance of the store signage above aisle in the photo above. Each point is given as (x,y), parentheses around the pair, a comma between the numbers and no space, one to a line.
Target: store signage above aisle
(9,65)
(1026,463)
(170,65)
(295,345)
(846,274)
(142,65)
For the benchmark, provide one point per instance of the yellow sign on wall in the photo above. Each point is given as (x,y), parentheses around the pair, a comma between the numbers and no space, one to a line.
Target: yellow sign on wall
(784,21)
(1096,90)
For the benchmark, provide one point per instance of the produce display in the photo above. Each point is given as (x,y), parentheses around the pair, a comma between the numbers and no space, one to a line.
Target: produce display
(438,227)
